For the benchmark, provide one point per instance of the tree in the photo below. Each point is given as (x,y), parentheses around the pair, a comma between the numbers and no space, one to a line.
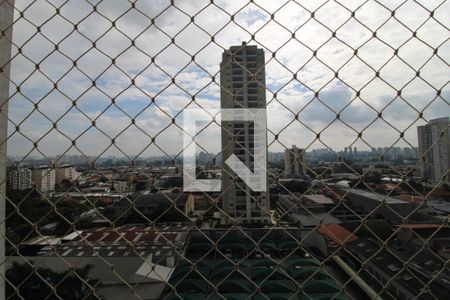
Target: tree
(64,185)
(295,186)
(24,208)
(67,211)
(44,283)
(141,186)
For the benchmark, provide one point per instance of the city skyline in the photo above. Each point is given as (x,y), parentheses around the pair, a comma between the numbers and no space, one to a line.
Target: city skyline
(336,152)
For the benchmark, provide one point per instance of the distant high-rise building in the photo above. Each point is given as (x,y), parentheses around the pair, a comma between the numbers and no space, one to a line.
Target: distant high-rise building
(434,149)
(407,153)
(294,162)
(19,179)
(395,153)
(243,81)
(44,179)
(415,153)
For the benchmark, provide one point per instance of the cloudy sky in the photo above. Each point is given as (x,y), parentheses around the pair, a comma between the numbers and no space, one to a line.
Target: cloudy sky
(132,53)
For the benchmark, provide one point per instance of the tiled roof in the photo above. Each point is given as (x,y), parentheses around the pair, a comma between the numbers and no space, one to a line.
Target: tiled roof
(337,234)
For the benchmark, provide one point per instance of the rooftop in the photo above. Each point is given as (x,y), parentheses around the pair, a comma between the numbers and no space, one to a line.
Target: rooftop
(375,196)
(314,219)
(126,272)
(422,226)
(337,234)
(158,241)
(245,267)
(421,268)
(319,199)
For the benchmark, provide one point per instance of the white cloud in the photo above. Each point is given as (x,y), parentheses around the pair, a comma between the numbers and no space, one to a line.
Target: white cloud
(153,61)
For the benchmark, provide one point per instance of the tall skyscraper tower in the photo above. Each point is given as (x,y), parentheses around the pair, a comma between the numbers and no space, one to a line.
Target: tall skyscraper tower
(294,162)
(434,149)
(243,85)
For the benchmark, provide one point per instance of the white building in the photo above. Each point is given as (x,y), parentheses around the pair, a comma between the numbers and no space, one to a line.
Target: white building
(65,172)
(19,179)
(44,179)
(294,162)
(242,80)
(434,149)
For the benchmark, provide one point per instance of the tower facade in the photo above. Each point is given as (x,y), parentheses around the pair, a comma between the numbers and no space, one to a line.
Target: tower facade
(19,179)
(65,172)
(242,80)
(44,179)
(294,162)
(434,149)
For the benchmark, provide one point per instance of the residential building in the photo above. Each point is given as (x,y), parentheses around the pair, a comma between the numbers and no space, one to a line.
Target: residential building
(66,172)
(434,149)
(19,178)
(294,162)
(242,78)
(44,179)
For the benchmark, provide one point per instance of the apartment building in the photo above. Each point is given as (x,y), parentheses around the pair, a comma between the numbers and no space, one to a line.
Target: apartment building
(434,149)
(242,79)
